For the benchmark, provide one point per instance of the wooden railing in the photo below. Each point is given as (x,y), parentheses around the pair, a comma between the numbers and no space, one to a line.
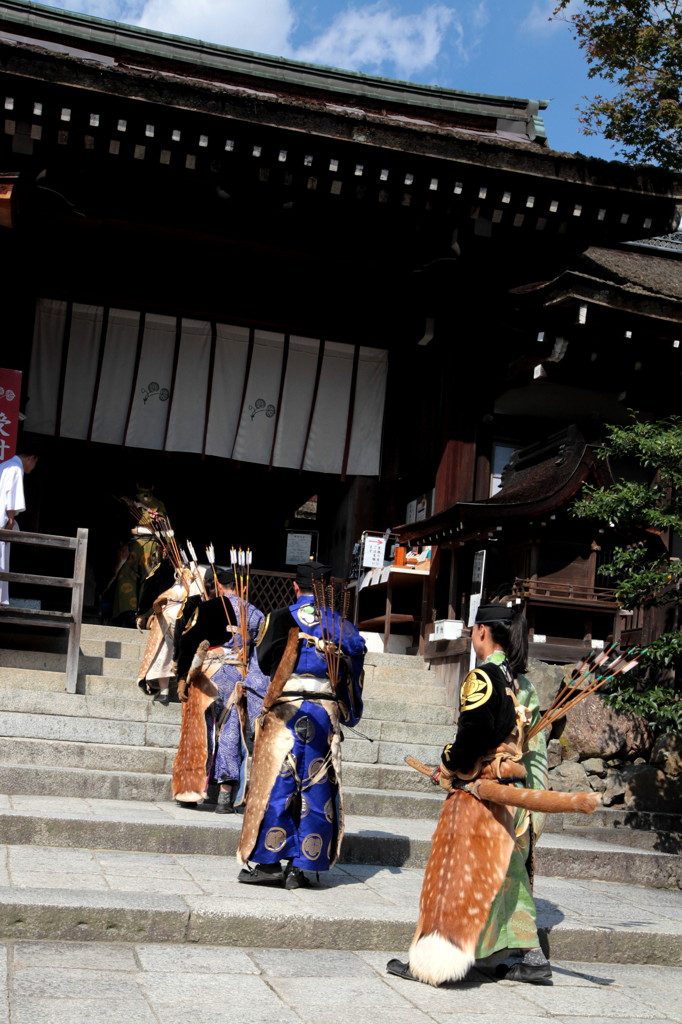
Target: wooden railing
(564,591)
(271,590)
(70,620)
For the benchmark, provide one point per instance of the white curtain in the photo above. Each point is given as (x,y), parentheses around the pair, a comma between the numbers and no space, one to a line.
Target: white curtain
(175,384)
(116,379)
(188,399)
(256,431)
(227,386)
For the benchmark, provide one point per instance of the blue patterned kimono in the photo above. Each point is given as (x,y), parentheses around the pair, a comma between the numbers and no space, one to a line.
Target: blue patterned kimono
(300,755)
(229,764)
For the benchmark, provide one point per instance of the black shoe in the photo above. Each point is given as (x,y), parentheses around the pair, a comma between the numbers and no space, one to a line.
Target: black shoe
(162,698)
(225,804)
(261,874)
(295,879)
(400,970)
(532,974)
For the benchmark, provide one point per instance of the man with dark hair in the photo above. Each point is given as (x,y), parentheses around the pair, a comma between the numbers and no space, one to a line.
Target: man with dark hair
(12,502)
(294,809)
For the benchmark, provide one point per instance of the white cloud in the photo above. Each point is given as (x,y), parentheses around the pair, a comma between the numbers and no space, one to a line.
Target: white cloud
(375,37)
(480,16)
(126,11)
(263,25)
(539,19)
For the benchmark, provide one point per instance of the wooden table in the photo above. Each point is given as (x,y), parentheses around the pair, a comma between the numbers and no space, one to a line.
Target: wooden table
(389,579)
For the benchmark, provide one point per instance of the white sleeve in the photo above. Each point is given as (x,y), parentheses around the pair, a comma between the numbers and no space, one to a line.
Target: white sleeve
(11,491)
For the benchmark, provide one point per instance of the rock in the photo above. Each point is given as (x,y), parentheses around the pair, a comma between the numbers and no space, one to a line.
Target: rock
(553,753)
(595,766)
(667,754)
(594,730)
(614,791)
(617,781)
(546,679)
(569,777)
(567,753)
(597,784)
(650,789)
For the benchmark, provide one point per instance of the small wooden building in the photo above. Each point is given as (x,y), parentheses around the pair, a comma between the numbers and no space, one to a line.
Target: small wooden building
(251,280)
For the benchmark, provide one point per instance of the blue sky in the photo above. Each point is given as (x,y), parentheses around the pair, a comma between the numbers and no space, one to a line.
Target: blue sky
(503,47)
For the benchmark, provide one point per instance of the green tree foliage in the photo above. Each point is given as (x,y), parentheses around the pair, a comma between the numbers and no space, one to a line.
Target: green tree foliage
(644,577)
(637,45)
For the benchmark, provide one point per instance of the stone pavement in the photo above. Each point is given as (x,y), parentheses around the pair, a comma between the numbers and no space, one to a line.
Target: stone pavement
(93,983)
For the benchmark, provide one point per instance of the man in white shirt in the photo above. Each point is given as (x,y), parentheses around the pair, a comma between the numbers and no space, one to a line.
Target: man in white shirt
(12,502)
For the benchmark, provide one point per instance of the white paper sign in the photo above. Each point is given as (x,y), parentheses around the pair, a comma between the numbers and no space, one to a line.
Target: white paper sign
(299,546)
(373,555)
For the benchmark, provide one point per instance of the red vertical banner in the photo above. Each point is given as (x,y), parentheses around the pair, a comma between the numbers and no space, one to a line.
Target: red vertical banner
(10,394)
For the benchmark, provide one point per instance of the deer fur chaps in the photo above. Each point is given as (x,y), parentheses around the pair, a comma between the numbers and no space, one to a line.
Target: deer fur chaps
(272,743)
(190,766)
(469,857)
(470,853)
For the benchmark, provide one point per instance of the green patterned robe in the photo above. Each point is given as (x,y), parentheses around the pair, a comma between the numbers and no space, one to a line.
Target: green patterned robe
(512,922)
(144,554)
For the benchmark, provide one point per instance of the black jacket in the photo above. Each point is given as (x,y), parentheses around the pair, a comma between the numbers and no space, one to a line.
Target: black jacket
(206,622)
(487,716)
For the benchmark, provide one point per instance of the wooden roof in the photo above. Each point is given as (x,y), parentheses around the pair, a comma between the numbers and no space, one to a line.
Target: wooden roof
(76,85)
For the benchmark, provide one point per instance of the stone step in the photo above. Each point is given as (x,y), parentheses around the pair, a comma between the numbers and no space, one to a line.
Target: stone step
(411,661)
(169,828)
(89,730)
(410,700)
(405,678)
(156,733)
(43,780)
(64,754)
(89,631)
(128,650)
(139,708)
(103,896)
(402,711)
(419,802)
(387,691)
(119,785)
(385,777)
(111,757)
(664,842)
(620,820)
(386,753)
(16,753)
(44,661)
(127,666)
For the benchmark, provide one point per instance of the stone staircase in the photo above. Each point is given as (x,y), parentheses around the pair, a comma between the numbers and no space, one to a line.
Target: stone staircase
(95,848)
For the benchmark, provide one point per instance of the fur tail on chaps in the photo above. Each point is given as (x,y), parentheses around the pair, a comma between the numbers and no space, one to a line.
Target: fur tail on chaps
(545,801)
(189,768)
(469,857)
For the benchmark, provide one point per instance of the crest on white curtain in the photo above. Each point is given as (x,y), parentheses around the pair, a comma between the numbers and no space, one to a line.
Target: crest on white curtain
(145,380)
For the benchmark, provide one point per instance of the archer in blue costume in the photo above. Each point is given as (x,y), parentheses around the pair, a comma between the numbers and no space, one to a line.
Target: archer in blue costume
(294,811)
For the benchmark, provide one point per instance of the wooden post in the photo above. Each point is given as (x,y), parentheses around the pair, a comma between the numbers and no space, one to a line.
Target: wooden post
(452,590)
(73,649)
(389,607)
